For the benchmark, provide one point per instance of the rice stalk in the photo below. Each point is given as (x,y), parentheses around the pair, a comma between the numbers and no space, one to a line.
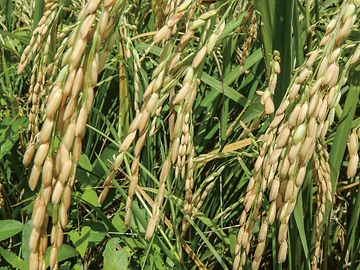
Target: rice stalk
(298,128)
(62,92)
(154,92)
(63,114)
(353,148)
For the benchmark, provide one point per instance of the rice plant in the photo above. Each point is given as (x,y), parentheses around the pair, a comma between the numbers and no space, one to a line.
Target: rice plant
(180,134)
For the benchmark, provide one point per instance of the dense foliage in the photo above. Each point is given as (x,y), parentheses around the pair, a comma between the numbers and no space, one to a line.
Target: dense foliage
(179,134)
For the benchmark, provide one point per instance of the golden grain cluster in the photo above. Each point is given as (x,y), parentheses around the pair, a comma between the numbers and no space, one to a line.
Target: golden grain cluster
(295,135)
(161,87)
(61,96)
(353,148)
(67,108)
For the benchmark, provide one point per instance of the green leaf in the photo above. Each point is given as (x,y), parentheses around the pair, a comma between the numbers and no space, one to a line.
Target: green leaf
(119,224)
(81,241)
(38,11)
(250,61)
(66,252)
(65,266)
(231,26)
(78,266)
(299,219)
(90,196)
(207,242)
(282,43)
(85,163)
(232,241)
(9,228)
(159,263)
(18,123)
(339,146)
(115,257)
(97,232)
(25,250)
(12,259)
(265,9)
(21,36)
(344,127)
(9,12)
(226,90)
(6,147)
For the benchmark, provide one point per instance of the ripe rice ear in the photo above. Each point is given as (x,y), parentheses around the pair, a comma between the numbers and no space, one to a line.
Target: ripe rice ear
(144,121)
(263,232)
(151,104)
(77,53)
(38,215)
(54,103)
(283,230)
(81,123)
(78,82)
(352,166)
(77,149)
(283,138)
(85,27)
(28,155)
(199,57)
(53,257)
(179,98)
(269,106)
(282,252)
(46,130)
(46,194)
(33,261)
(104,19)
(283,106)
(57,193)
(323,68)
(127,141)
(69,83)
(63,216)
(259,251)
(353,145)
(150,228)
(162,34)
(70,109)
(294,91)
(65,172)
(34,177)
(47,172)
(34,239)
